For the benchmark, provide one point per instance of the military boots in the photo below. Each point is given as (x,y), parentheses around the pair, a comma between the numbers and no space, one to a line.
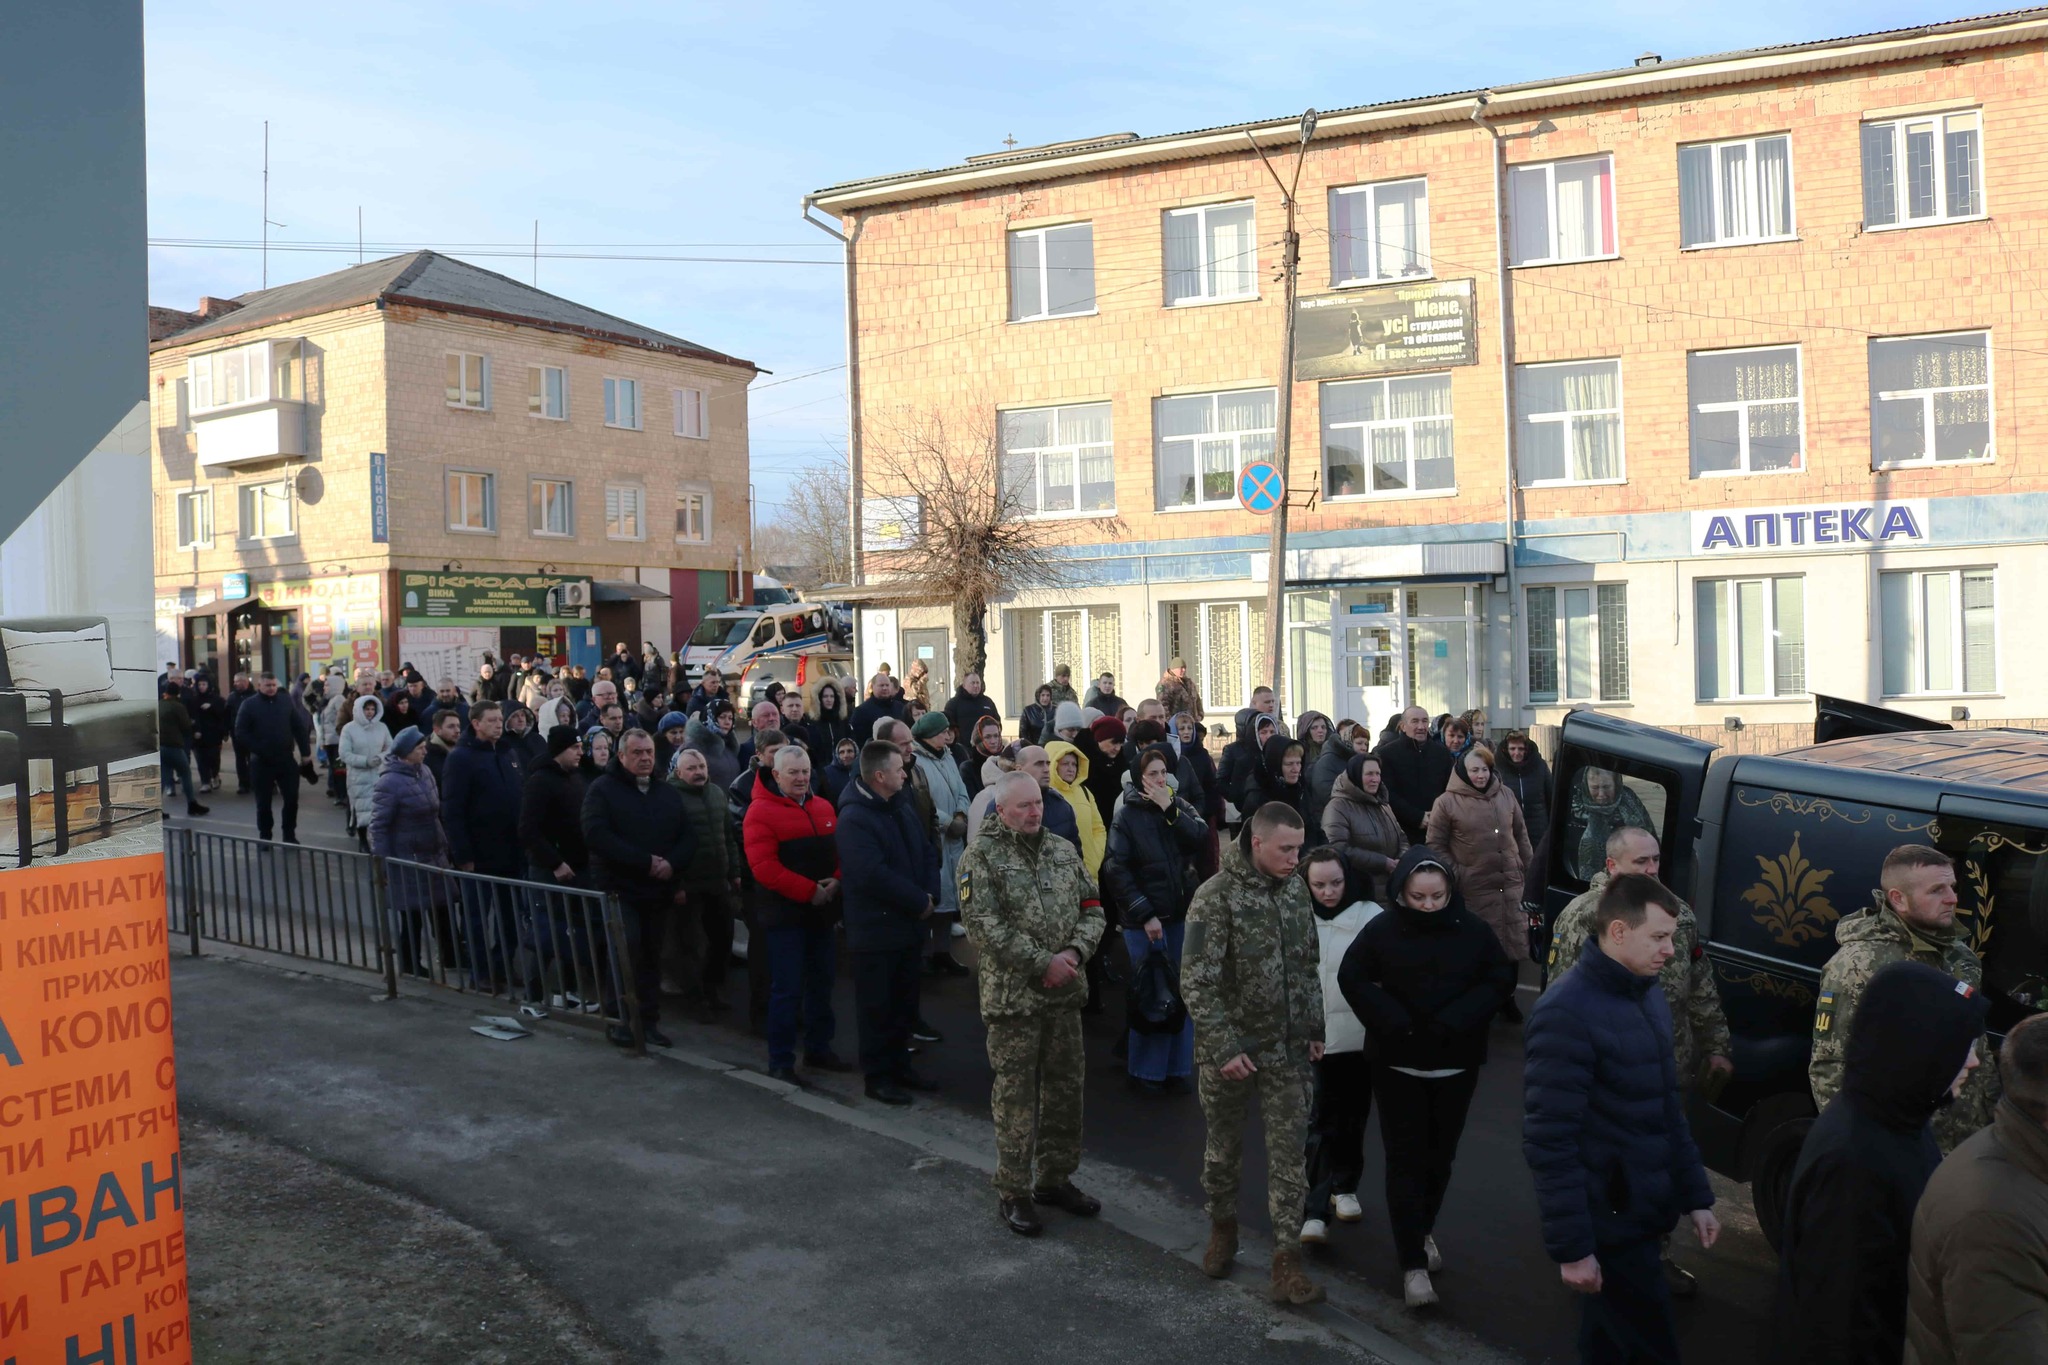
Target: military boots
(1291,1283)
(1221,1252)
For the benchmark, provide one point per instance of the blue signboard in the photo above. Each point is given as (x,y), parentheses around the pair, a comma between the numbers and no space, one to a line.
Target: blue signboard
(1258,487)
(234,586)
(380,500)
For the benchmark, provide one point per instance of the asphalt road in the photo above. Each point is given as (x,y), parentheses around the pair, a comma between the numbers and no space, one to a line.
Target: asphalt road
(1497,1284)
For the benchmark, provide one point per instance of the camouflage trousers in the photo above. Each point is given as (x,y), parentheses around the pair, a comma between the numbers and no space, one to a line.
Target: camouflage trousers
(1282,1085)
(1037,1099)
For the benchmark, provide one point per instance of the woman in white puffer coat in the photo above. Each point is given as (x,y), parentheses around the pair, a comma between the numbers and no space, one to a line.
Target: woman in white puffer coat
(363,744)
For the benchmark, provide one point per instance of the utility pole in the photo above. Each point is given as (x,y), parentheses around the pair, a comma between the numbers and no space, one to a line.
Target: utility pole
(267,224)
(1276,558)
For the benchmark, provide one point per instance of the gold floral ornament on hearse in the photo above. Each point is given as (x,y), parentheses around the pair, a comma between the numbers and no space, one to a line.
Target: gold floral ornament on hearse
(1790,900)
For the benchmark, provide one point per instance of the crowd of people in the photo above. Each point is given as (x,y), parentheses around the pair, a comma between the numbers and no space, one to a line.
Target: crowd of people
(1315,925)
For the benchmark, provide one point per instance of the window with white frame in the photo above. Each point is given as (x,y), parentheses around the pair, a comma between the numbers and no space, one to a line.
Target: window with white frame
(692,413)
(1088,640)
(195,519)
(265,510)
(1730,193)
(1930,399)
(1940,630)
(258,372)
(1387,436)
(547,392)
(1925,169)
(1747,416)
(1379,232)
(1057,461)
(693,515)
(552,503)
(1202,440)
(622,403)
(469,380)
(1561,211)
(1749,637)
(1052,272)
(625,511)
(1578,643)
(472,500)
(1569,423)
(1211,254)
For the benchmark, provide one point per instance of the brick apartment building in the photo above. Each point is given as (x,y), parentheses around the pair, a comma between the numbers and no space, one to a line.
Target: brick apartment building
(416,460)
(1759,424)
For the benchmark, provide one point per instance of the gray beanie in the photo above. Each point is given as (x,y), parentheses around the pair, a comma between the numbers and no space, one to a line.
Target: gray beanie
(1067,716)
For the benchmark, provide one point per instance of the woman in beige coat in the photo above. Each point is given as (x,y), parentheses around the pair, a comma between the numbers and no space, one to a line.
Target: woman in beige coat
(1358,821)
(1478,824)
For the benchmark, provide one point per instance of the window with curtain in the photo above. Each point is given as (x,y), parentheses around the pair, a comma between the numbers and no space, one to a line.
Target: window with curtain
(1940,631)
(624,510)
(1088,640)
(1569,422)
(1387,436)
(1924,169)
(622,403)
(1211,254)
(1058,461)
(1052,272)
(1379,232)
(265,510)
(1561,211)
(1930,399)
(1578,643)
(552,508)
(1735,192)
(1202,441)
(1749,637)
(195,519)
(472,501)
(1746,411)
(468,380)
(547,392)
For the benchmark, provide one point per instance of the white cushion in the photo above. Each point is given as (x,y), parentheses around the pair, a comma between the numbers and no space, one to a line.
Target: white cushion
(75,662)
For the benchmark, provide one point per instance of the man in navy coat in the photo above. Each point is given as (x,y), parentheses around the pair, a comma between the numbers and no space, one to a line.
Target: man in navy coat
(891,885)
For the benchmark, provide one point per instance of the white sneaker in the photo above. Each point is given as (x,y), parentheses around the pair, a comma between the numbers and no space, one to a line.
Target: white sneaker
(1417,1290)
(958,930)
(1315,1232)
(1436,1259)
(1345,1206)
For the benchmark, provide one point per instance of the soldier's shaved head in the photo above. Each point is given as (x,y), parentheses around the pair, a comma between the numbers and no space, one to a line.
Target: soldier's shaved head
(1019,803)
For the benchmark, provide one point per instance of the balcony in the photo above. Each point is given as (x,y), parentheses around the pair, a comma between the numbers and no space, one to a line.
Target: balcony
(251,434)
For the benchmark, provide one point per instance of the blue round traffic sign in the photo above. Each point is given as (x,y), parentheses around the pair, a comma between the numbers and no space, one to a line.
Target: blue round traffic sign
(1258,487)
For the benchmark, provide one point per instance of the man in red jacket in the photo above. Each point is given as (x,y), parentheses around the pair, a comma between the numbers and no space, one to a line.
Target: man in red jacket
(795,860)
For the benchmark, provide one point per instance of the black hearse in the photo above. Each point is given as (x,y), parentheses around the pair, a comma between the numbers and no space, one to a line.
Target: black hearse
(1772,850)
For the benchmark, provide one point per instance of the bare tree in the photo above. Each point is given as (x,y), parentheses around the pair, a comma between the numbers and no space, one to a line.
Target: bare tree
(811,535)
(971,538)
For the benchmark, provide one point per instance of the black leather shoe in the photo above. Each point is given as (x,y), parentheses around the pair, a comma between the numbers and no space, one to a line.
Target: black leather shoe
(656,1036)
(785,1074)
(1066,1196)
(826,1061)
(1021,1217)
(887,1092)
(618,1034)
(911,1080)
(925,1033)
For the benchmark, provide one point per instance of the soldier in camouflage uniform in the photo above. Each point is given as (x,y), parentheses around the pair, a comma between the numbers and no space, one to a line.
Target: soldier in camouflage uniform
(1699,1031)
(1249,972)
(1034,916)
(1914,916)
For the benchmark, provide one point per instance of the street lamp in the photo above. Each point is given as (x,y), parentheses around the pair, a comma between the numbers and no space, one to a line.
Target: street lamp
(1276,565)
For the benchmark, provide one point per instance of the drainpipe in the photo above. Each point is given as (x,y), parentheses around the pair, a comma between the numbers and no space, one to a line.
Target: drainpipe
(853,433)
(1513,688)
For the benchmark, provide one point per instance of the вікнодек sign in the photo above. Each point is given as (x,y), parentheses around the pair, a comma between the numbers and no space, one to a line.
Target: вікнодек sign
(1389,330)
(380,499)
(1811,526)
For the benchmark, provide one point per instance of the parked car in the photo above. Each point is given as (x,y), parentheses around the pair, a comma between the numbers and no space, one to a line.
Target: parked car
(1772,850)
(791,670)
(734,638)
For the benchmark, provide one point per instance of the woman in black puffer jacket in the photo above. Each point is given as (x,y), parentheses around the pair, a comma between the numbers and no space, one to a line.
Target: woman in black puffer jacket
(1426,979)
(1150,876)
(1527,777)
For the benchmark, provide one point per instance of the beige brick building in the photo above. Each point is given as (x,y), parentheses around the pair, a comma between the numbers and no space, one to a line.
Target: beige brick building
(1759,424)
(417,460)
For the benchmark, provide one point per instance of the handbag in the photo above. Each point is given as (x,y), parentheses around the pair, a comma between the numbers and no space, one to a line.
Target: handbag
(1153,1005)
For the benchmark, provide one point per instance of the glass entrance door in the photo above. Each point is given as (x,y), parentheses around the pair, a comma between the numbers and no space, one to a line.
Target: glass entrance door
(1369,655)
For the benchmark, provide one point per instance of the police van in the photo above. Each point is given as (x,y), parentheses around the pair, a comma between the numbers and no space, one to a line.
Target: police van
(1773,850)
(730,640)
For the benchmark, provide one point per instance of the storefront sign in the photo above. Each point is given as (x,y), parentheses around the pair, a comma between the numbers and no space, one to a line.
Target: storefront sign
(233,586)
(380,500)
(1811,526)
(341,620)
(1389,330)
(477,599)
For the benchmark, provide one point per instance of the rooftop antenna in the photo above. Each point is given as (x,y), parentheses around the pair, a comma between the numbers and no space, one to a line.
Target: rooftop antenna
(267,224)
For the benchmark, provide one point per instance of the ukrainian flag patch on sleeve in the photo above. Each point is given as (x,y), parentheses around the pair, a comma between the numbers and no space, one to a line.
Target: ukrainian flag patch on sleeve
(966,885)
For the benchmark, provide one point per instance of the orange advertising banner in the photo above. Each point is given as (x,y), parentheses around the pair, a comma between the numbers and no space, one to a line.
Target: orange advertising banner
(92,1226)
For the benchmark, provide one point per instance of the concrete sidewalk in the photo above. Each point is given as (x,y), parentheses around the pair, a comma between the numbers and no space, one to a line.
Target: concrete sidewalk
(684,1215)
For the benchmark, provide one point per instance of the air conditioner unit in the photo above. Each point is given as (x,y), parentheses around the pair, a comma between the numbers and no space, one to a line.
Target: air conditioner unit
(575,595)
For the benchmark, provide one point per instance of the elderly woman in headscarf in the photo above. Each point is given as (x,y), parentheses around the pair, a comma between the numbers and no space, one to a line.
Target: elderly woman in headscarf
(1601,804)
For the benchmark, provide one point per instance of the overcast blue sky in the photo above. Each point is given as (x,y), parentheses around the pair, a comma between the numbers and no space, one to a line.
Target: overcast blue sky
(684,125)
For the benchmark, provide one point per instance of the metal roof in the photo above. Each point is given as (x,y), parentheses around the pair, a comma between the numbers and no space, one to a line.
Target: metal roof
(1989,760)
(1057,159)
(429,280)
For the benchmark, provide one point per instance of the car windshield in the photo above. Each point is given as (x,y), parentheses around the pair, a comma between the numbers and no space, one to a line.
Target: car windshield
(722,630)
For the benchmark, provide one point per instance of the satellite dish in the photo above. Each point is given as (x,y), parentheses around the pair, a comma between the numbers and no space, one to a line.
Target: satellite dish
(309,485)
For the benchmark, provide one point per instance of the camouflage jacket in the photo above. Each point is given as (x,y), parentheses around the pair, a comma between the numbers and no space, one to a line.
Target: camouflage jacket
(1698,1028)
(1249,967)
(1870,941)
(1023,898)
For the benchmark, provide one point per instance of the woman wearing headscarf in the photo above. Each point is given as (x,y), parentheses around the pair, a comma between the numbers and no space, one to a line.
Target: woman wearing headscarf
(1277,778)
(1360,824)
(1601,804)
(1148,871)
(828,716)
(597,753)
(987,743)
(400,713)
(711,735)
(1481,828)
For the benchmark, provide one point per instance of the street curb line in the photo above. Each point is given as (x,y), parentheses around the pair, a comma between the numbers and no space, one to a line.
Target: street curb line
(1178,1244)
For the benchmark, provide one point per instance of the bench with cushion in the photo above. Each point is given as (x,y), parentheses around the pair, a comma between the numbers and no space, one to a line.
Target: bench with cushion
(59,702)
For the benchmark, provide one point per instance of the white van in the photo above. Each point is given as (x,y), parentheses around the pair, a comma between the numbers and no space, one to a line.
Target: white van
(732,639)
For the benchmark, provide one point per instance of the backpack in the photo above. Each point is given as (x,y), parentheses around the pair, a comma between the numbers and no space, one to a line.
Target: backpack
(1152,1005)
